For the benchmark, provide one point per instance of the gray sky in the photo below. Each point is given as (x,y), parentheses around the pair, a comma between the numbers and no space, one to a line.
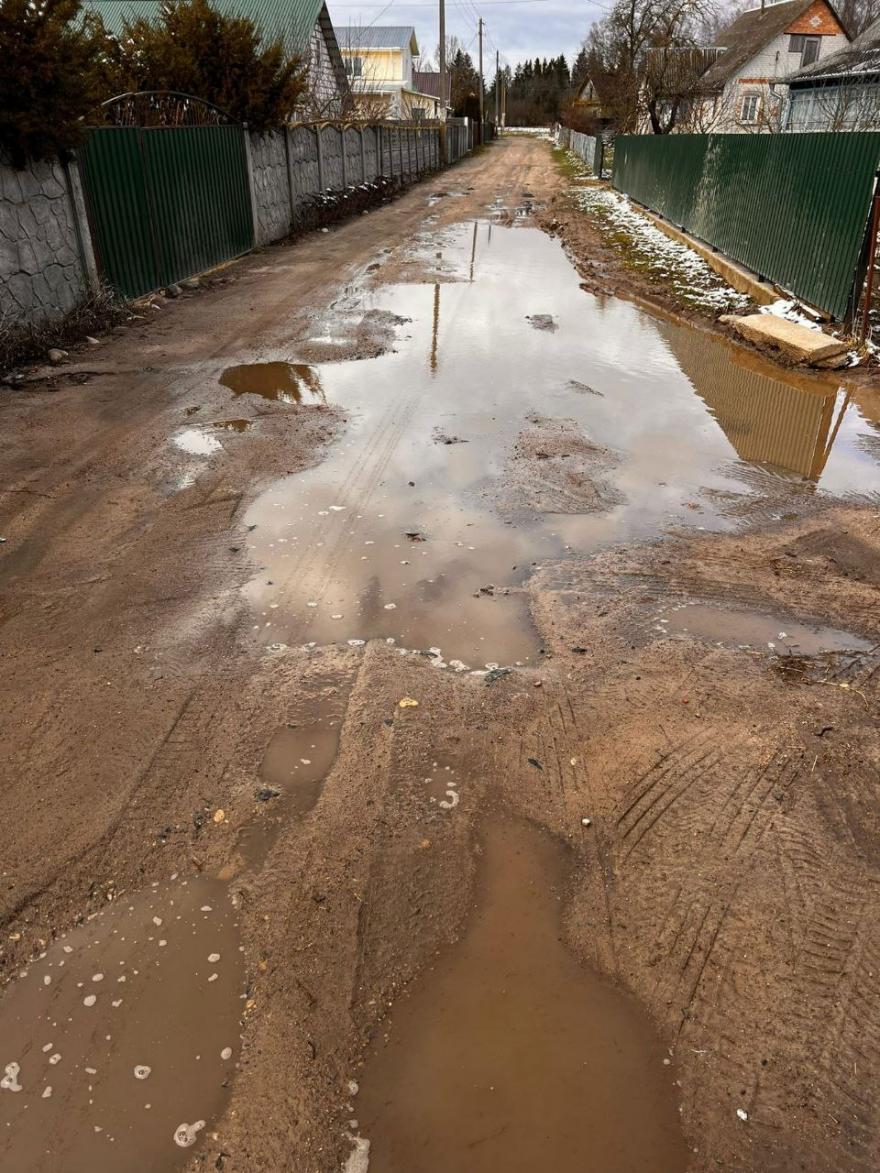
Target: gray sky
(539,28)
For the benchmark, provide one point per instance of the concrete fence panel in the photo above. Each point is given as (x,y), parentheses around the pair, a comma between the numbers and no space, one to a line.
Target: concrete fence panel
(43,273)
(271,185)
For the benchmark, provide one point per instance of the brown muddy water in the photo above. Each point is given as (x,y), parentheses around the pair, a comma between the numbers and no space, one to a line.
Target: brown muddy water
(509,1055)
(123,1037)
(685,425)
(755,630)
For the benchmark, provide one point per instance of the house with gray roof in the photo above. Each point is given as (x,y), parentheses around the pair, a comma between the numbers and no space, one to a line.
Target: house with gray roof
(303,26)
(385,83)
(840,92)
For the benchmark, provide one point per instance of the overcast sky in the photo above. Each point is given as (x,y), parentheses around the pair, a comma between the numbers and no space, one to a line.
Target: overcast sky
(520,29)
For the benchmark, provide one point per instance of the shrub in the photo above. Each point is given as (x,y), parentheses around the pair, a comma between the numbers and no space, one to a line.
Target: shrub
(196,50)
(51,76)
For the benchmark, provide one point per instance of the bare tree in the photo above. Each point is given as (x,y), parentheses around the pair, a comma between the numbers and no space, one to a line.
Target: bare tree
(618,48)
(858,14)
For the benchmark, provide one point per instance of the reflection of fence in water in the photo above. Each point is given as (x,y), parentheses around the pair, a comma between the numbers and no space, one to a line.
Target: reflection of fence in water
(788,428)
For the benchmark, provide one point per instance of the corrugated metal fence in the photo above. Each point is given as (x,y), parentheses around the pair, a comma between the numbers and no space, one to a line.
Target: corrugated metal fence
(168,202)
(164,204)
(793,207)
(588,147)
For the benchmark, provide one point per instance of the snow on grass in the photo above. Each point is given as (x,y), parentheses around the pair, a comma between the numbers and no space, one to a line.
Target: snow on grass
(578,168)
(663,260)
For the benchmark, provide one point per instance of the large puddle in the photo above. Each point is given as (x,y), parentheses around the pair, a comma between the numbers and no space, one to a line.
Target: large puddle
(119,1043)
(510,1056)
(415,526)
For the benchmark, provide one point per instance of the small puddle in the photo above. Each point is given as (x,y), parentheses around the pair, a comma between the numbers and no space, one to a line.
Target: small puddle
(296,762)
(508,1055)
(127,1028)
(756,630)
(234,425)
(282,382)
(197,442)
(685,428)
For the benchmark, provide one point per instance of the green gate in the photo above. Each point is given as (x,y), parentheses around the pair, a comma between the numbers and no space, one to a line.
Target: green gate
(166,202)
(792,207)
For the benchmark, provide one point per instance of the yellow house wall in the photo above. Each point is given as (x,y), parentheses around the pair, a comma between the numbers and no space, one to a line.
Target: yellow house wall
(379,64)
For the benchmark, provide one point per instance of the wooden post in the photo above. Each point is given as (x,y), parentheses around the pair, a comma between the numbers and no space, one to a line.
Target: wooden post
(872,258)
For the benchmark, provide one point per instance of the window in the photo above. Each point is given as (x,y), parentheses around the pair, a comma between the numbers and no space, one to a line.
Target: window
(751,105)
(354,66)
(807,47)
(811,50)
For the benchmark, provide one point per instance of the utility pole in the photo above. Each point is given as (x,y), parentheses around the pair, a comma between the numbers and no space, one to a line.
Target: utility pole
(442,63)
(497,87)
(482,95)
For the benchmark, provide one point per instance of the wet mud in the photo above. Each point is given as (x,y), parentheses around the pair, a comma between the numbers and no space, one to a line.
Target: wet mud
(124,1032)
(509,1055)
(472,603)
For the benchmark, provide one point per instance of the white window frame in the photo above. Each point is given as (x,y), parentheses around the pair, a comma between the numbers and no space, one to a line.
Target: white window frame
(756,110)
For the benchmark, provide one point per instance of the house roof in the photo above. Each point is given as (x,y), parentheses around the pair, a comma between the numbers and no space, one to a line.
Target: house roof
(748,34)
(859,59)
(379,37)
(603,86)
(427,81)
(291,20)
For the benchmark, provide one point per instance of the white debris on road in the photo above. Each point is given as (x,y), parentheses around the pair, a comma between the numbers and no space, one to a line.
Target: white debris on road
(688,274)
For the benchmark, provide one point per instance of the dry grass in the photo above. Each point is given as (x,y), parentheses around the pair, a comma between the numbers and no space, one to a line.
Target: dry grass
(22,341)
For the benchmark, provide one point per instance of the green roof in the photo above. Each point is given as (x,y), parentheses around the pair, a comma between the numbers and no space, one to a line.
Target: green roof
(291,20)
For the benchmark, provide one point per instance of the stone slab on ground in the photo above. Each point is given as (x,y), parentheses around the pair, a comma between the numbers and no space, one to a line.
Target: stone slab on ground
(798,342)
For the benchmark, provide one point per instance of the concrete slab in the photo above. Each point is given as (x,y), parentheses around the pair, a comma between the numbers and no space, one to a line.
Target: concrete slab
(798,342)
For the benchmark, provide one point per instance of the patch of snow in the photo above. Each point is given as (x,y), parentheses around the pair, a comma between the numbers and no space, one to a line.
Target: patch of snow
(792,311)
(687,273)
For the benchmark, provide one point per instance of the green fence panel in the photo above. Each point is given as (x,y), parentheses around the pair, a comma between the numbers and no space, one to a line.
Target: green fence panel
(792,207)
(167,202)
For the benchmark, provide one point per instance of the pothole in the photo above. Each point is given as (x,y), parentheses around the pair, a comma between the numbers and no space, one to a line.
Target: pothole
(510,1055)
(756,630)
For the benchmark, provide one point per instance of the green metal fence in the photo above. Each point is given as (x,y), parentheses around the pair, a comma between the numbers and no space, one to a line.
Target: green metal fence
(792,207)
(166,202)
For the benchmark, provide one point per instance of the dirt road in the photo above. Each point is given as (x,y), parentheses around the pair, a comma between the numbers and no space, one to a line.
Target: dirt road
(441,700)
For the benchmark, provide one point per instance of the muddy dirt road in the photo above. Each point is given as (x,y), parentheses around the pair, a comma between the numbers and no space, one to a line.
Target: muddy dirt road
(439,724)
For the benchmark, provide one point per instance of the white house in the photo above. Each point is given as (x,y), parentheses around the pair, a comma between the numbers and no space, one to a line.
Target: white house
(744,90)
(739,84)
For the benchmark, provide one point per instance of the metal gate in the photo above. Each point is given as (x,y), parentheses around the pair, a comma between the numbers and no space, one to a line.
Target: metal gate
(166,202)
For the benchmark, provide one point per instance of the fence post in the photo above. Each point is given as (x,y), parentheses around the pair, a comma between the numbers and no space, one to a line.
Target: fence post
(344,159)
(363,157)
(81,223)
(320,158)
(252,191)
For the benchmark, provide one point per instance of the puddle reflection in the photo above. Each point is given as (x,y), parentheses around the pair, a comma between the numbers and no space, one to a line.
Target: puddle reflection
(784,426)
(282,382)
(683,426)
